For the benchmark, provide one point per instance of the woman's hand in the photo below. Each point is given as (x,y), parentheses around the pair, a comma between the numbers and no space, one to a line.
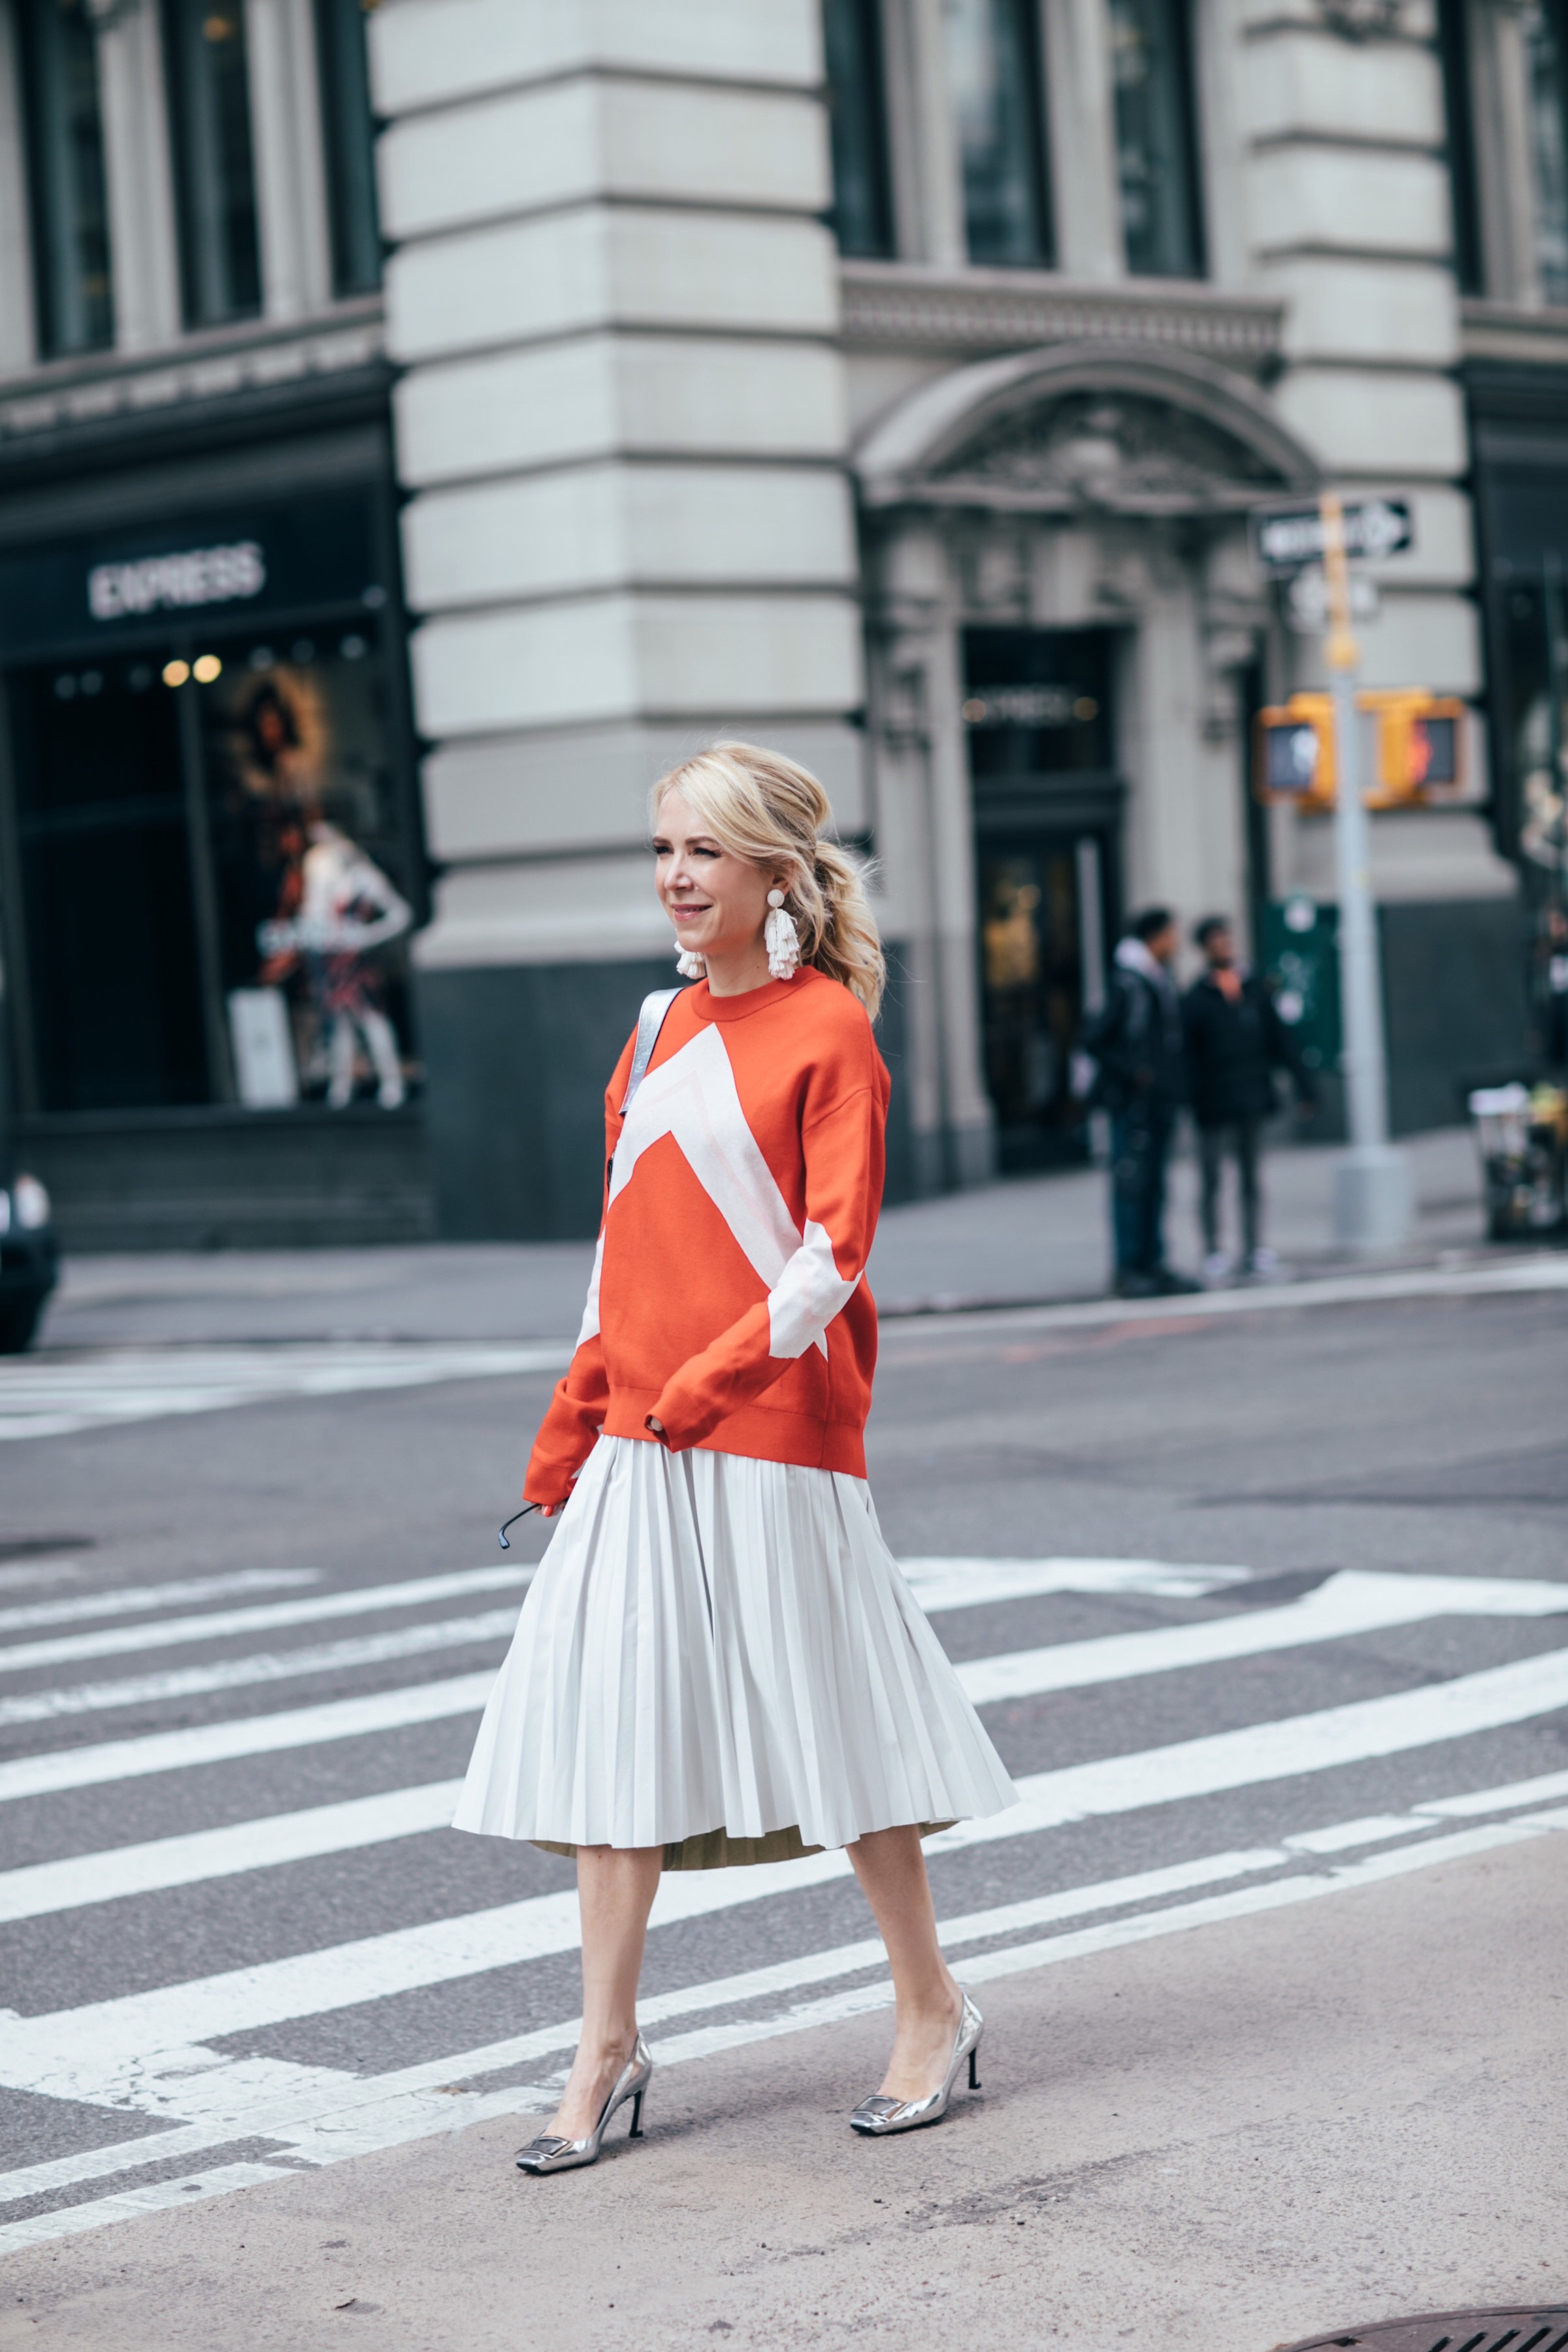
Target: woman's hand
(654,1423)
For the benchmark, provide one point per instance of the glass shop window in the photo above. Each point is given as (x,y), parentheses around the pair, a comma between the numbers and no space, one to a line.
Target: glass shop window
(215,178)
(1157,151)
(1546,55)
(71,275)
(348,126)
(307,865)
(215,880)
(994,75)
(857,116)
(114,979)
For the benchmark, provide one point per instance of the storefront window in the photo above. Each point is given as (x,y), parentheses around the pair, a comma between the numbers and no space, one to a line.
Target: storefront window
(209,106)
(994,72)
(304,843)
(113,976)
(209,821)
(1155,149)
(66,184)
(862,207)
(349,128)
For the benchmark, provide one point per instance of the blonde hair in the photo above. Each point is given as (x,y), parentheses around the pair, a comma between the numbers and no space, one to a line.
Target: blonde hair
(770,809)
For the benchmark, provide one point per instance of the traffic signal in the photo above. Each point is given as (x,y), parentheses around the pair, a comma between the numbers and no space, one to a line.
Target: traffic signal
(1420,744)
(1420,748)
(1293,752)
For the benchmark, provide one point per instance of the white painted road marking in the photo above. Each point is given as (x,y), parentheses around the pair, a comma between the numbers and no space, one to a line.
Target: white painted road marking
(126,1600)
(101,1388)
(64,2052)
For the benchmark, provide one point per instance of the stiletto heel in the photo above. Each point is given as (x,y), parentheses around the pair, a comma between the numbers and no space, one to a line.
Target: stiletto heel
(549,2154)
(878,2117)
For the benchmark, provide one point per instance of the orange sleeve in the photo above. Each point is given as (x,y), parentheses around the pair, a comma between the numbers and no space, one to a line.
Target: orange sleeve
(844,1154)
(576,1409)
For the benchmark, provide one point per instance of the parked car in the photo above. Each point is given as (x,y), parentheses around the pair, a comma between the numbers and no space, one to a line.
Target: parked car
(29,1260)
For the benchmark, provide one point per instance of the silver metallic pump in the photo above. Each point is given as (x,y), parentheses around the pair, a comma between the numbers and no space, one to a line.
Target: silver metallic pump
(549,2155)
(878,2117)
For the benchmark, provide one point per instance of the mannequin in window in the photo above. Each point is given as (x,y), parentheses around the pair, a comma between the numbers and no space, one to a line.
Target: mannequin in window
(347,909)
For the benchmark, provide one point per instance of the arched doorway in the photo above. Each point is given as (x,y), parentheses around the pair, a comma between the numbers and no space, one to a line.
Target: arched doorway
(1060,607)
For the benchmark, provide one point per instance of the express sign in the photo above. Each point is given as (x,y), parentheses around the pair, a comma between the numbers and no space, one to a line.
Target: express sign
(1284,538)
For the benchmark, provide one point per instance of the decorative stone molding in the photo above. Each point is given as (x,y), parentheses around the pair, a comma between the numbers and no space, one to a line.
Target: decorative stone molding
(1360,20)
(1005,309)
(197,369)
(1510,330)
(1089,431)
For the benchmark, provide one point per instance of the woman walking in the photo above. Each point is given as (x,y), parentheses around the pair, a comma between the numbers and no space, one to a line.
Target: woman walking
(717,1662)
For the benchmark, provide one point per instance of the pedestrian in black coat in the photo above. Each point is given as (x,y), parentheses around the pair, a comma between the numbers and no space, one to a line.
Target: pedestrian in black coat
(1136,1044)
(1235,1042)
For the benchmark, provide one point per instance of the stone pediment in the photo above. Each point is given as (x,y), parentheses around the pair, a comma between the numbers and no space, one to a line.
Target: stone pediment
(1070,432)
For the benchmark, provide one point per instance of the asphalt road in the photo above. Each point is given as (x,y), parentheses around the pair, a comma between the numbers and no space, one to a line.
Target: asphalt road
(1251,1602)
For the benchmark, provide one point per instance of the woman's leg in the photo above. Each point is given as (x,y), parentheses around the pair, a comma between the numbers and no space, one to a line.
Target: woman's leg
(616,1887)
(892,1874)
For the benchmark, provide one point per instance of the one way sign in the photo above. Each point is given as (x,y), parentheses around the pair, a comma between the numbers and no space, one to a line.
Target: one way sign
(1284,538)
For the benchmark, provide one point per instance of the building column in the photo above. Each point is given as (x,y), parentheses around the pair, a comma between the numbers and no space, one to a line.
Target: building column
(143,240)
(622,427)
(1081,126)
(291,173)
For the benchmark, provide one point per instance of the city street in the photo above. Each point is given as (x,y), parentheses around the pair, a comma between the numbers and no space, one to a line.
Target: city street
(1263,1596)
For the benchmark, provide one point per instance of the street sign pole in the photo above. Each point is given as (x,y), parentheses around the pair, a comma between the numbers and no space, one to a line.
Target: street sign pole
(1372,1180)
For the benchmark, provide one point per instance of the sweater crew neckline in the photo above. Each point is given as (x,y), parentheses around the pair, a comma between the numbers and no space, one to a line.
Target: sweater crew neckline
(709,1007)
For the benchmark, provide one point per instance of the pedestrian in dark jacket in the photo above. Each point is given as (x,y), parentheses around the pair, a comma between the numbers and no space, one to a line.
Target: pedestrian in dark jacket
(1136,1042)
(1236,1042)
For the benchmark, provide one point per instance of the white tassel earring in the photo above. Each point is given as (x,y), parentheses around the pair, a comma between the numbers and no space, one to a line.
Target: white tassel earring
(689,964)
(781,938)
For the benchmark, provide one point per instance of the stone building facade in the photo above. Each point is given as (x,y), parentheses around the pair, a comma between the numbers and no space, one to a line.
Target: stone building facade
(889,380)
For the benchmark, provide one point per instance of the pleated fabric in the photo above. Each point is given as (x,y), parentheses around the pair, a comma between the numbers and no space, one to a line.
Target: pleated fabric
(720,1656)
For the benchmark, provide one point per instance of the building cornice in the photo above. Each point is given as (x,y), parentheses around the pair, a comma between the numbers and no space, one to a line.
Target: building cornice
(1507,330)
(915,307)
(110,387)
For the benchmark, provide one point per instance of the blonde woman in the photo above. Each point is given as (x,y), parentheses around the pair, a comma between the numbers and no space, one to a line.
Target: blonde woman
(717,1662)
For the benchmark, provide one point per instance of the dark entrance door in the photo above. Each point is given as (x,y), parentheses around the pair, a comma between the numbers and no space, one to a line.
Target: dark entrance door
(1048,811)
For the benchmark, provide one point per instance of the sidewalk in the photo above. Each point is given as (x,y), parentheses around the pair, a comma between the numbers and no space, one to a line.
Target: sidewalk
(1292,2148)
(1028,1240)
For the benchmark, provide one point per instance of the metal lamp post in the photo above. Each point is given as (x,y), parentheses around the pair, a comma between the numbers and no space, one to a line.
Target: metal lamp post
(1372,1180)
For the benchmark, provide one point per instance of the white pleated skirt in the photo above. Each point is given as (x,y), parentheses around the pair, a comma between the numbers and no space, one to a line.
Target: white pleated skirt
(719,1656)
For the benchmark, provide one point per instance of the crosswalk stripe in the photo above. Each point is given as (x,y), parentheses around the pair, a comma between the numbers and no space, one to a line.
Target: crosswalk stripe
(344,1975)
(388,2110)
(125,1600)
(43,1399)
(1352,1601)
(41,1888)
(257,1735)
(241,1673)
(199,1744)
(171,1633)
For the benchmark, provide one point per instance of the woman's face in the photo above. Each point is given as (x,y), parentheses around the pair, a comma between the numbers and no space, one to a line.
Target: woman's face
(717,902)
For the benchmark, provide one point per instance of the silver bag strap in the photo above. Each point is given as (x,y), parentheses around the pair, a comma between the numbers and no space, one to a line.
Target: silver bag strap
(650,1021)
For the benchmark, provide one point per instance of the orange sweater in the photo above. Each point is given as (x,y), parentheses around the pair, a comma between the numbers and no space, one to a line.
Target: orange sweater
(741,1192)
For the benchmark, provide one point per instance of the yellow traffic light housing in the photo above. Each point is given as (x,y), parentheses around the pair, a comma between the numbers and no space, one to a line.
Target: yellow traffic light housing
(1420,745)
(1293,752)
(1420,749)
